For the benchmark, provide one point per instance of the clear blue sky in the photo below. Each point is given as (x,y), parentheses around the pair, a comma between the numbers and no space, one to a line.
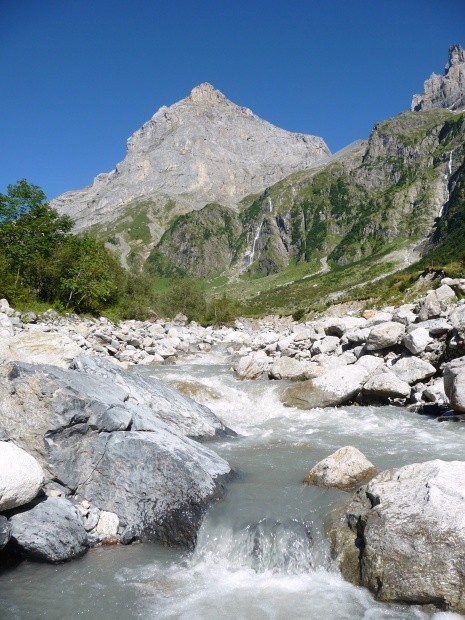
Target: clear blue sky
(79,76)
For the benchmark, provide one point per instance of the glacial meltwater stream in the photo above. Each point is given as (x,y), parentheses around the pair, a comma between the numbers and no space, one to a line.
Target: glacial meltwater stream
(262,552)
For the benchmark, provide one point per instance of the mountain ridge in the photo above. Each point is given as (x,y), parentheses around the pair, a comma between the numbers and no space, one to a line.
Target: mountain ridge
(201,149)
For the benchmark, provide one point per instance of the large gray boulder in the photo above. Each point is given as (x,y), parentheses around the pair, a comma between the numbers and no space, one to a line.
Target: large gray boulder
(21,476)
(384,335)
(104,447)
(51,531)
(403,535)
(344,469)
(412,369)
(454,383)
(168,404)
(384,387)
(330,389)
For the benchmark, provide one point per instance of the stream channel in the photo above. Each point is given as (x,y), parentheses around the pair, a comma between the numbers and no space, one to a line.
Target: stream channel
(254,559)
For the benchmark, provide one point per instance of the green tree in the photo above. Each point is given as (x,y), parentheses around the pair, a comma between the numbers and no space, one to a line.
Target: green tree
(30,233)
(88,277)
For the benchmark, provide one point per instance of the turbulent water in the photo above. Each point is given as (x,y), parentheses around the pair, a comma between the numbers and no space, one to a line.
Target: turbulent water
(261,553)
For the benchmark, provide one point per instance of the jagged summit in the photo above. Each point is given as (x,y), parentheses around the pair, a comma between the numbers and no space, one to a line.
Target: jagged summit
(445,91)
(201,149)
(205,92)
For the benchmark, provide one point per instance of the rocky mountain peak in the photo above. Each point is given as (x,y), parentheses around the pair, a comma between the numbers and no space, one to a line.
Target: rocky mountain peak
(456,56)
(445,91)
(199,150)
(206,93)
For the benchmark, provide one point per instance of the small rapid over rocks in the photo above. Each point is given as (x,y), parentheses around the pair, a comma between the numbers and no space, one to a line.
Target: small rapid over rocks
(262,552)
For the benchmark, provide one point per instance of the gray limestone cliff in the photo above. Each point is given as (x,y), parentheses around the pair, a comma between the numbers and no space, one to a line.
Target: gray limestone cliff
(445,91)
(202,149)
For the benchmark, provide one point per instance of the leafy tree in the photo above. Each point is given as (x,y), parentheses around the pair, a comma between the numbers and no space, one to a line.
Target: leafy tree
(88,277)
(30,232)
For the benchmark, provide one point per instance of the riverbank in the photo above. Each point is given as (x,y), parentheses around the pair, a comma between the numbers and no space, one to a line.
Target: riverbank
(118,452)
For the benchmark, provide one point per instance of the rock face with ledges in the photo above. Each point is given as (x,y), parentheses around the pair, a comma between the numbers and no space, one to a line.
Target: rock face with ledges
(445,91)
(202,149)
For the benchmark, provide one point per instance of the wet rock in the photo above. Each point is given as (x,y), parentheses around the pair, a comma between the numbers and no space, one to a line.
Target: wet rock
(330,389)
(148,474)
(293,369)
(408,527)
(253,366)
(21,476)
(166,403)
(129,534)
(51,531)
(344,469)
(384,335)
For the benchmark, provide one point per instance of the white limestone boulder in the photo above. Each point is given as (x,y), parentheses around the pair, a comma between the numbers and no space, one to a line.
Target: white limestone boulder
(21,476)
(253,365)
(333,387)
(384,386)
(385,335)
(417,340)
(40,348)
(344,469)
(413,369)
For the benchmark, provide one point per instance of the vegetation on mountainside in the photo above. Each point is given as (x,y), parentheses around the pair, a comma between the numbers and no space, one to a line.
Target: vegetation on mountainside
(42,262)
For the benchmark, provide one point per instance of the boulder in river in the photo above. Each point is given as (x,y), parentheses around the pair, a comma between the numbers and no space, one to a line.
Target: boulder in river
(344,469)
(168,404)
(403,535)
(383,387)
(333,387)
(50,531)
(253,366)
(105,447)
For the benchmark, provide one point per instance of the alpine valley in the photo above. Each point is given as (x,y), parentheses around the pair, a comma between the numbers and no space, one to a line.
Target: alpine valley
(210,190)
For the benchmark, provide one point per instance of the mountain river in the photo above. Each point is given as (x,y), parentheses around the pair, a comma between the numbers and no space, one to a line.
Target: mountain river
(261,552)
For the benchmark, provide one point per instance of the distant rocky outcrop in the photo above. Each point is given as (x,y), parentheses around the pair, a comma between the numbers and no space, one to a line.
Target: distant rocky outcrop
(202,149)
(444,91)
